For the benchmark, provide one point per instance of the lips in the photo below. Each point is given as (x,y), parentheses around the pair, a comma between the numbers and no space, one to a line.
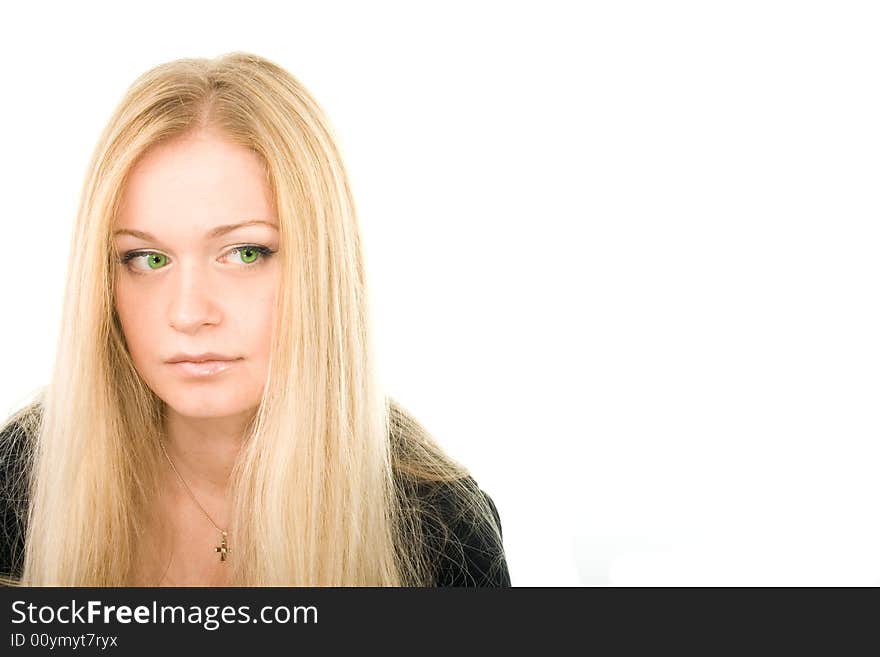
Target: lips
(205,368)
(199,358)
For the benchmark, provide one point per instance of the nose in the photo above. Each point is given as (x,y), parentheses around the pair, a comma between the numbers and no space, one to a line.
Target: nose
(192,304)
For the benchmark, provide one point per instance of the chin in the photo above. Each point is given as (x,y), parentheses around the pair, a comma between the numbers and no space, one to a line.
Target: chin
(207,403)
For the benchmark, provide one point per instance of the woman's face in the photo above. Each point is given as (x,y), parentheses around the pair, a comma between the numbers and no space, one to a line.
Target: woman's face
(192,282)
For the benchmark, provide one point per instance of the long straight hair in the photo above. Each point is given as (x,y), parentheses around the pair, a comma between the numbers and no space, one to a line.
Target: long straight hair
(333,465)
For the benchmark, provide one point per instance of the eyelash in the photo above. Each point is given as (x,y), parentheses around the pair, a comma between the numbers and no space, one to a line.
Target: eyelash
(264,251)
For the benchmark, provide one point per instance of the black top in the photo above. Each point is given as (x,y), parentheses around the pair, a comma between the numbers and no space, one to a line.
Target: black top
(470,557)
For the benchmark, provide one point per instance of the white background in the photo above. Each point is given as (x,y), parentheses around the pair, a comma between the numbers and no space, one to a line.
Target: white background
(622,254)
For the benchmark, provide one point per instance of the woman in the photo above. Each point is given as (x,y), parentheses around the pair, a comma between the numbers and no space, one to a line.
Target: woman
(214,418)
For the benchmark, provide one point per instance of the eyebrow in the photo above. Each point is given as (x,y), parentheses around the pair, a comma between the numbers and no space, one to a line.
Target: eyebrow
(218,231)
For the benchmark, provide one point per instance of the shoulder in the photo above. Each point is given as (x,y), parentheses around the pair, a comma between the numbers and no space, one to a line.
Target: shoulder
(13,496)
(16,435)
(463,530)
(14,438)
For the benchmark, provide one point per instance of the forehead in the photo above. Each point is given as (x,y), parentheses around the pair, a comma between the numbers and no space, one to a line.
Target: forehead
(195,182)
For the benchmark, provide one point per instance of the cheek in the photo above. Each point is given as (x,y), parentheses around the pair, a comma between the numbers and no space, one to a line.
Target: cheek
(260,322)
(133,310)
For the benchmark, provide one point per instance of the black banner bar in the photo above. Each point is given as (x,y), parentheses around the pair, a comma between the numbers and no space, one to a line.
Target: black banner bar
(541,621)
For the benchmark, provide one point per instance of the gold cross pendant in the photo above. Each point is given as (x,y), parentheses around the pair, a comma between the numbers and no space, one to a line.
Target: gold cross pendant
(222,548)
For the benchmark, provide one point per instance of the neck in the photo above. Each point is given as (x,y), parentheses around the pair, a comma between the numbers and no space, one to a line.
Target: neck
(204,450)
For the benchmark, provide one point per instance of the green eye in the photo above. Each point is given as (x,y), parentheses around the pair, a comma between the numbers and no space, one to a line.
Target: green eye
(156,260)
(248,254)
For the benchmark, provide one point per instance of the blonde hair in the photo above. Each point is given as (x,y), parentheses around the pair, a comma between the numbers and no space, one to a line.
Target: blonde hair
(337,469)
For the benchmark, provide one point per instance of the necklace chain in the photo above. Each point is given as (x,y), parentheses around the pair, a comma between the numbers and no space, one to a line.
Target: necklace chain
(222,531)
